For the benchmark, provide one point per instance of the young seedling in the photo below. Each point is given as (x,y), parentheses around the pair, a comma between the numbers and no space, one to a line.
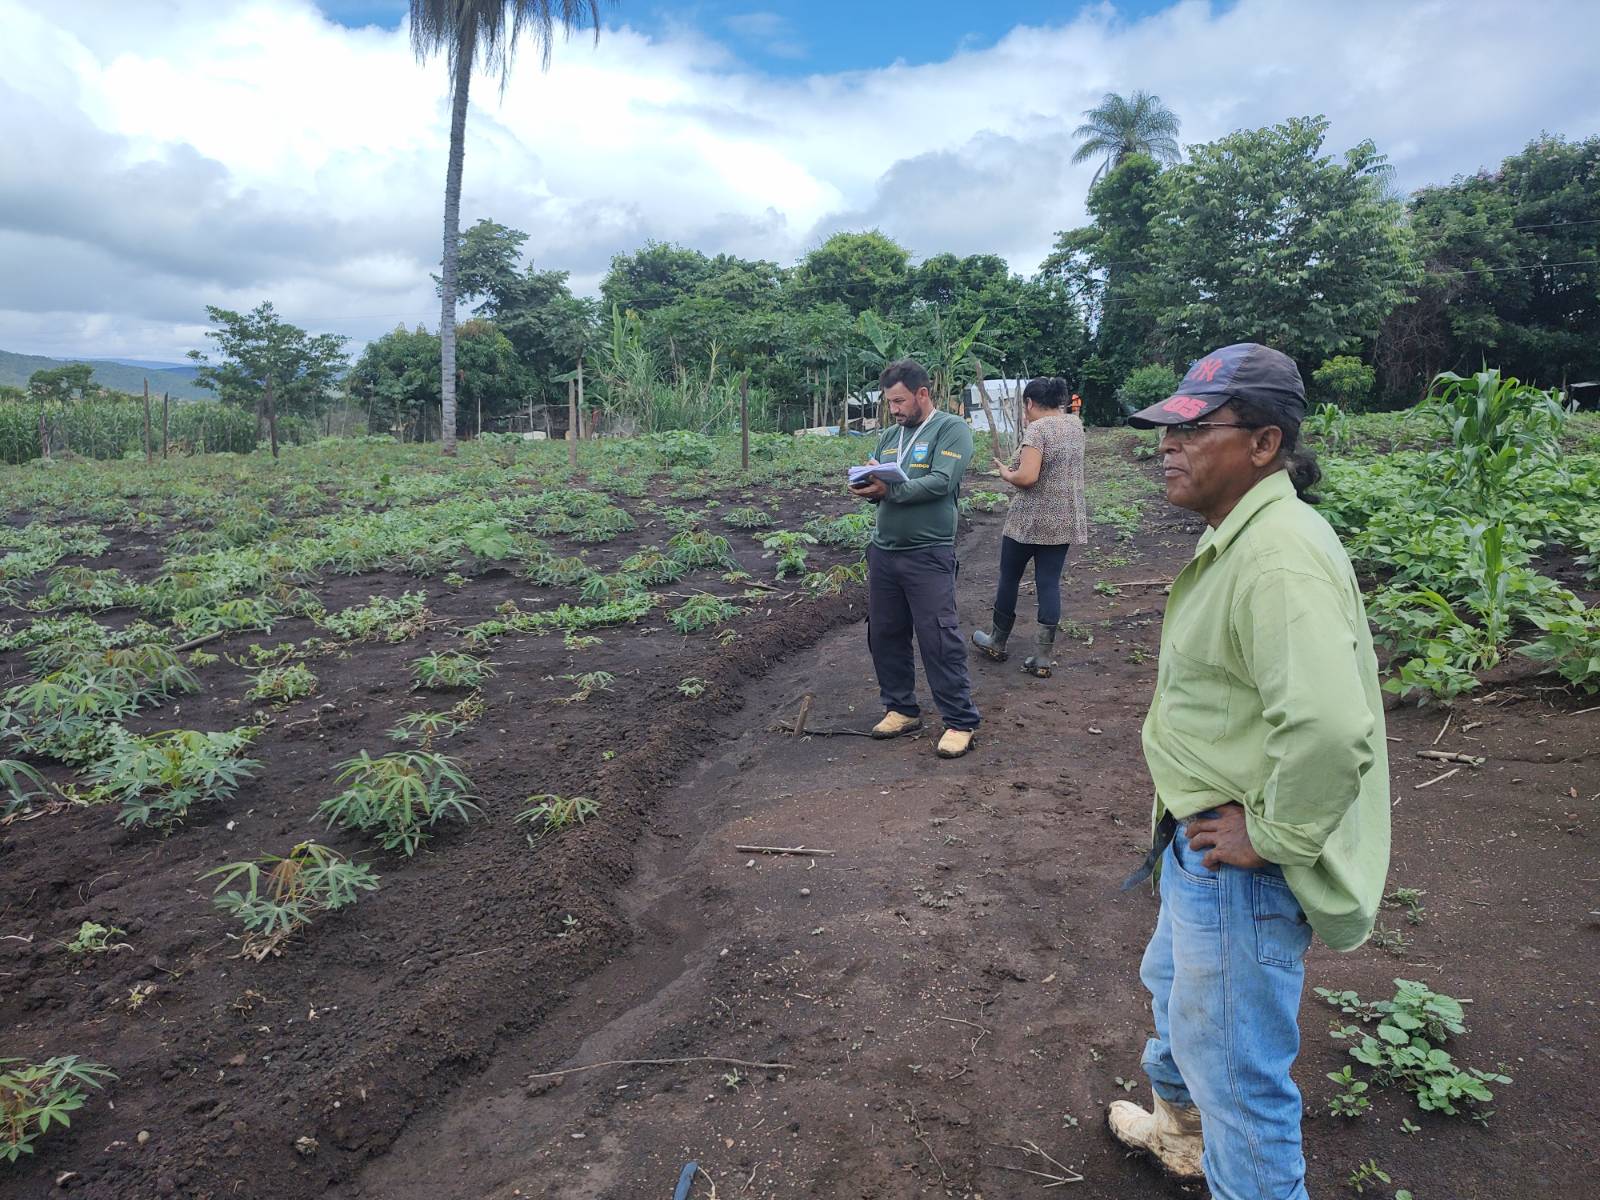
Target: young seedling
(449,670)
(281,895)
(96,939)
(399,797)
(692,687)
(549,813)
(283,685)
(35,1096)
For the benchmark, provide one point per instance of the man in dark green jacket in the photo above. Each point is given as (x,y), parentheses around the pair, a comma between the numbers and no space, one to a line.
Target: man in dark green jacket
(911,563)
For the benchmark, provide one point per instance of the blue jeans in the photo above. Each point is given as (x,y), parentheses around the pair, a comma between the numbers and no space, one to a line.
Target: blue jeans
(1224,969)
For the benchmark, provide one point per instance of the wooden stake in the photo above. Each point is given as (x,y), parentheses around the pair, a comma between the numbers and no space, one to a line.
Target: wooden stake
(805,713)
(165,397)
(988,414)
(147,420)
(580,397)
(272,420)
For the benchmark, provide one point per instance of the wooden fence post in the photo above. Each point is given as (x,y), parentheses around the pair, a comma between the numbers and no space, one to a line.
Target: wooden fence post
(165,396)
(147,420)
(580,399)
(572,426)
(744,422)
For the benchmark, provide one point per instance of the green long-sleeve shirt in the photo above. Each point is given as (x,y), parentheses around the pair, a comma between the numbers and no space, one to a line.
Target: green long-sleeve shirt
(922,512)
(1267,696)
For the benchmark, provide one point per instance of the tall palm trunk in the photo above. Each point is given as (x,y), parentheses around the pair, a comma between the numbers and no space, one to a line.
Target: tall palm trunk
(452,247)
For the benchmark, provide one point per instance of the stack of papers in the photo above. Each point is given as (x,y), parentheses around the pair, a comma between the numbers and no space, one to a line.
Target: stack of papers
(888,472)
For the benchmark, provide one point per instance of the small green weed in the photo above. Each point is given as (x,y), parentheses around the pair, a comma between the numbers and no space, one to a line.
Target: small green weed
(283,685)
(94,938)
(448,669)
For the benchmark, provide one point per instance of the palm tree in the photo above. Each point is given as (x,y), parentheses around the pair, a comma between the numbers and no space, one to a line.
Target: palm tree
(472,31)
(1119,127)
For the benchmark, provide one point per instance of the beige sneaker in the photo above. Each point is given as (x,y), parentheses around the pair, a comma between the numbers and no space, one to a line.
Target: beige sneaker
(955,743)
(894,724)
(1170,1134)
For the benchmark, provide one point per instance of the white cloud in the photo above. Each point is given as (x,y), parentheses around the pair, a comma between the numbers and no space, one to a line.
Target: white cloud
(175,153)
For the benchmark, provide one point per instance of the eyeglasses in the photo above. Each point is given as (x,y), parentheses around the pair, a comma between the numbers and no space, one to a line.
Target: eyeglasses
(1188,429)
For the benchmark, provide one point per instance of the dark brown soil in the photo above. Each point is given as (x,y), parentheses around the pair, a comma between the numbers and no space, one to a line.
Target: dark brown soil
(959,979)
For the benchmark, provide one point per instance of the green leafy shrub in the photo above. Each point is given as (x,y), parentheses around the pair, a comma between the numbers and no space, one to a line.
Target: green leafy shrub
(35,1096)
(395,617)
(448,669)
(702,611)
(987,501)
(399,797)
(790,547)
(1345,380)
(159,777)
(282,894)
(283,685)
(1570,646)
(853,530)
(696,548)
(1145,386)
(836,578)
(747,517)
(1406,1048)
(650,565)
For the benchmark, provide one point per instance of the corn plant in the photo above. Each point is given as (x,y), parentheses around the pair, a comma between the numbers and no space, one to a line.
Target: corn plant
(159,777)
(448,669)
(790,547)
(398,797)
(702,611)
(282,894)
(1498,427)
(283,685)
(35,1096)
(551,813)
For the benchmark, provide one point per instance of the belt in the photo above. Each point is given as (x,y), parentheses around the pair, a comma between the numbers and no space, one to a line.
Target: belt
(1166,830)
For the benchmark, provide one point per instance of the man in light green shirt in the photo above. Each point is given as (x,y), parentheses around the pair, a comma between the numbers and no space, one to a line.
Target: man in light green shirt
(1266,744)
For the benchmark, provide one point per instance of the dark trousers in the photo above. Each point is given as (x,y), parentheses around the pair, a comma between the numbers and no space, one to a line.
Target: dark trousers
(1048,562)
(915,591)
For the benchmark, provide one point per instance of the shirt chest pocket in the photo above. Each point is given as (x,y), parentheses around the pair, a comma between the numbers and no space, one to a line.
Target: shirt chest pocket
(1196,696)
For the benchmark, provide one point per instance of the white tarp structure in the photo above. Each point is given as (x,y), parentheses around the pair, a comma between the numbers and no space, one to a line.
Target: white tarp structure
(1004,399)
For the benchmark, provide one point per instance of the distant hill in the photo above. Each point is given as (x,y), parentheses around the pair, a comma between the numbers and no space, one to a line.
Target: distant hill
(119,376)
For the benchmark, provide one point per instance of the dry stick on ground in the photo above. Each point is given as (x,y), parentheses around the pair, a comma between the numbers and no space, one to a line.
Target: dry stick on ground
(982,1032)
(665,1062)
(1443,729)
(1068,1175)
(1471,760)
(803,851)
(1581,711)
(1437,779)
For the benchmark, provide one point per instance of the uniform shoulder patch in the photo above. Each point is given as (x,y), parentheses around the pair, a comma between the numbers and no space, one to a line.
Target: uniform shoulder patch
(949,454)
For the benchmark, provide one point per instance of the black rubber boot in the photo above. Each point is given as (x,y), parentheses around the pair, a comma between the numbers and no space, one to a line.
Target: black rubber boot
(1038,664)
(993,642)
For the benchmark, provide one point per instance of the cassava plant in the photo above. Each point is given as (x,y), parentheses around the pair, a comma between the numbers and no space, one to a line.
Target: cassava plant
(399,797)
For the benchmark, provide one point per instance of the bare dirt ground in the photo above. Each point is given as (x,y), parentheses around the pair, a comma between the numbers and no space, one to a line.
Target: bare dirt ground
(958,982)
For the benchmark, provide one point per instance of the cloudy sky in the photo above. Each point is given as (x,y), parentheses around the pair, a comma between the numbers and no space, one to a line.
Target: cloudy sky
(161,155)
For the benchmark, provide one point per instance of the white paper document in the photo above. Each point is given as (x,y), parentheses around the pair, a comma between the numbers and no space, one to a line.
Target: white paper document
(888,472)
